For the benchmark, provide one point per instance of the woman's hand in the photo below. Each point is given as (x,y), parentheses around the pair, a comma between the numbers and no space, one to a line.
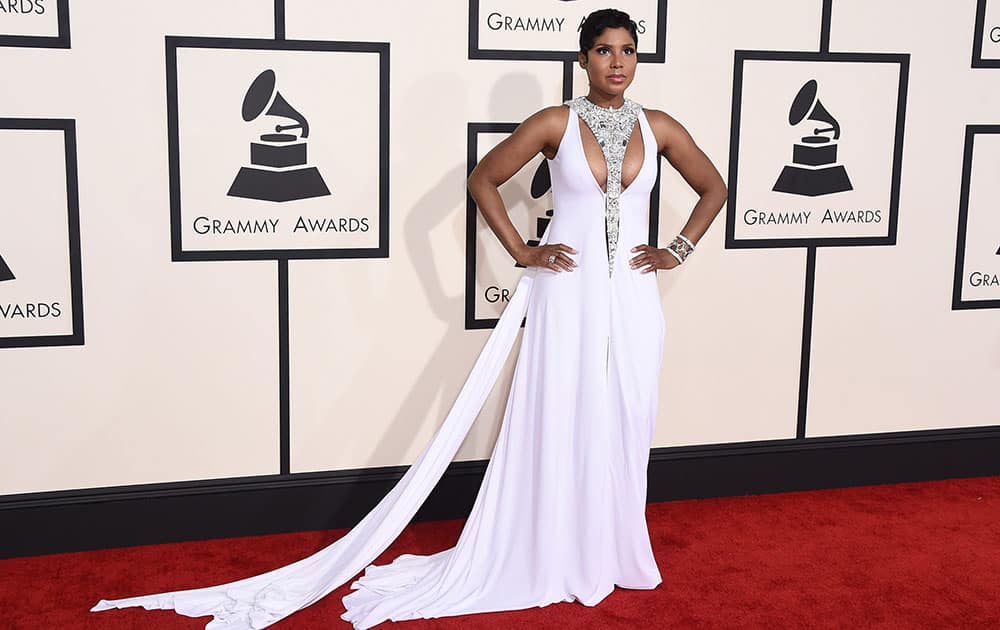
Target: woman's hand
(541,255)
(652,259)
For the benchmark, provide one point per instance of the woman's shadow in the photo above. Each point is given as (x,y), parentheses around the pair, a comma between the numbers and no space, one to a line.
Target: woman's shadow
(513,98)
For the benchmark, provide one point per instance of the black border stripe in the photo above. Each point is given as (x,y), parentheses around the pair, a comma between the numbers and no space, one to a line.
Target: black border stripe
(64,32)
(279,19)
(73,220)
(654,205)
(734,154)
(284,372)
(79,520)
(807,322)
(963,218)
(824,26)
(897,151)
(173,150)
(473,31)
(567,80)
(383,220)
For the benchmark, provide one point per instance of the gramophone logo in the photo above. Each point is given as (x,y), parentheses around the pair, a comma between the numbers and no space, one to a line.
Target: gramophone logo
(814,170)
(541,183)
(5,272)
(279,170)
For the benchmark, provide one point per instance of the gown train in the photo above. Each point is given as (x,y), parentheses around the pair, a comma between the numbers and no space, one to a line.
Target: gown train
(560,514)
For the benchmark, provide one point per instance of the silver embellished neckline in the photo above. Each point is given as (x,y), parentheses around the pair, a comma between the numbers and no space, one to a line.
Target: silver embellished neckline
(612,128)
(609,108)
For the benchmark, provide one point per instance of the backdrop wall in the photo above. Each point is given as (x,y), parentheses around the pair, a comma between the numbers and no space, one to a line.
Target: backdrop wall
(200,335)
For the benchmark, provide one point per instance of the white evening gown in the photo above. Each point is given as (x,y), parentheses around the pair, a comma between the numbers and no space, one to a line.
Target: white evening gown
(560,515)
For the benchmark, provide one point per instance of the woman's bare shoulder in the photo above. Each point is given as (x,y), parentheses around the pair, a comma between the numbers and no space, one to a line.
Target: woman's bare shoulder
(666,128)
(661,119)
(549,119)
(544,129)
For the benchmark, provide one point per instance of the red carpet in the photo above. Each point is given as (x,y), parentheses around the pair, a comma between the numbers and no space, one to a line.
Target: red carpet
(915,555)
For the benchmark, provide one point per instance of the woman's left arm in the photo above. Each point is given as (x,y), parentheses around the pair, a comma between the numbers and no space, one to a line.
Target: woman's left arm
(676,144)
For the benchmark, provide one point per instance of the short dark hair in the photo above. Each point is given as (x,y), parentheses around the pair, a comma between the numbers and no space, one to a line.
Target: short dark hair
(596,22)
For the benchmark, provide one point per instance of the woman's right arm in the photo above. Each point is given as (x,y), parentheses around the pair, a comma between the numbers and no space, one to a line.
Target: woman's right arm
(539,133)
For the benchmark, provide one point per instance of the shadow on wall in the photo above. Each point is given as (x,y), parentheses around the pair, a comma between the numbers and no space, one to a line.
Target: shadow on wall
(513,98)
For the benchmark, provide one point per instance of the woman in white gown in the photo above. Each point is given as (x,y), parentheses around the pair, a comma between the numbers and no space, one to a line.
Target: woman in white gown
(560,515)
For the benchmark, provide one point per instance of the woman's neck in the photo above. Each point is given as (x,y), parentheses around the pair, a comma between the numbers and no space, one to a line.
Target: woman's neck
(606,100)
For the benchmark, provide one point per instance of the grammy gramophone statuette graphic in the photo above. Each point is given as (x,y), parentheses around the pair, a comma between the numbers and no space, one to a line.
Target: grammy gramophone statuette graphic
(541,183)
(5,272)
(814,170)
(279,169)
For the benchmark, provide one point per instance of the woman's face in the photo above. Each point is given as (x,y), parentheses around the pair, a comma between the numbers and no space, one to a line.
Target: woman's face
(611,62)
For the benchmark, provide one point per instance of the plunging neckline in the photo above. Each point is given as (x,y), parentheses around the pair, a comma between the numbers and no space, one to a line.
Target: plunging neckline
(580,124)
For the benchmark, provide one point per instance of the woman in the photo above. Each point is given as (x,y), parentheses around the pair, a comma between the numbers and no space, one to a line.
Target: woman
(560,515)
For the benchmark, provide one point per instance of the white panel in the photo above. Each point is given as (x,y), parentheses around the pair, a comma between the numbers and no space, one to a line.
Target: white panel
(178,377)
(888,352)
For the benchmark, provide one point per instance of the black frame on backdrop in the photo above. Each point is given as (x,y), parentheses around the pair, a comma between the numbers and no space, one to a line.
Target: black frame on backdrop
(742,56)
(68,129)
(476,52)
(957,302)
(173,43)
(60,40)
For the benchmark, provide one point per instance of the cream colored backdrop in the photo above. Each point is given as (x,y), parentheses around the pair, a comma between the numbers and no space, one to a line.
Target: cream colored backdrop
(178,378)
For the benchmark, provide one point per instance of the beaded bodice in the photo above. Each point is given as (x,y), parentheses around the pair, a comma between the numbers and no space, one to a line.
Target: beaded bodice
(612,128)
